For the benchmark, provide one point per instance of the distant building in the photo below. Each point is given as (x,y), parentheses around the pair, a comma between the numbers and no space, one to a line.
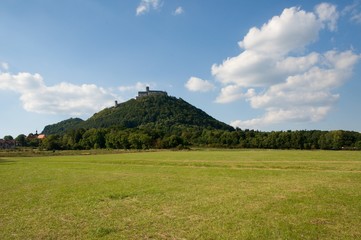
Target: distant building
(148,92)
(145,93)
(41,136)
(36,136)
(7,144)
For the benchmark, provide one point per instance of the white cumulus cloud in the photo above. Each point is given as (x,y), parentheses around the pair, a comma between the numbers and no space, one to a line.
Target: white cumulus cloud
(275,116)
(147,5)
(63,98)
(275,73)
(231,93)
(139,86)
(4,66)
(353,11)
(328,14)
(265,48)
(195,84)
(179,10)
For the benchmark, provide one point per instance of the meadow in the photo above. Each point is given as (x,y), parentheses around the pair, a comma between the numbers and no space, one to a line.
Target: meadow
(203,194)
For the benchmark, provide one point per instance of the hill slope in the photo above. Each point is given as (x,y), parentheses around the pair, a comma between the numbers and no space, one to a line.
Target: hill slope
(151,111)
(63,126)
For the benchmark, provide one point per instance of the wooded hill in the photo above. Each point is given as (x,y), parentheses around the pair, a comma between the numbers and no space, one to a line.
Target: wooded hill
(159,121)
(156,111)
(63,126)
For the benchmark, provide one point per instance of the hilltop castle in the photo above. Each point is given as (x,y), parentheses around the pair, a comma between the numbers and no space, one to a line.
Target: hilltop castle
(145,93)
(148,92)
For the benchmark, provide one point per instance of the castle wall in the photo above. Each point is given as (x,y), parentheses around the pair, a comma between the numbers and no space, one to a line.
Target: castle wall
(151,92)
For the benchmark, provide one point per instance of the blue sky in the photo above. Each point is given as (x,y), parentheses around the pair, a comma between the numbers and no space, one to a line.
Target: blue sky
(267,65)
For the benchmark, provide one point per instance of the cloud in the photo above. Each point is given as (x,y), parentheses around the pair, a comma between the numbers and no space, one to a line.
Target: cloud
(147,5)
(328,14)
(178,11)
(231,93)
(195,84)
(353,11)
(63,98)
(136,87)
(4,66)
(275,73)
(292,30)
(356,18)
(265,49)
(275,116)
(304,97)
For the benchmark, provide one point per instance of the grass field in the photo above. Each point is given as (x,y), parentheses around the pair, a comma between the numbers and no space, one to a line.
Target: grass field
(204,194)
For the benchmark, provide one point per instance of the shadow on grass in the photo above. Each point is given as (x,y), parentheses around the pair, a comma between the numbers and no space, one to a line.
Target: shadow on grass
(104,231)
(6,161)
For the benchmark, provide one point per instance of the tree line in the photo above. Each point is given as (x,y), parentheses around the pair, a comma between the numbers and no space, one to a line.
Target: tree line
(184,137)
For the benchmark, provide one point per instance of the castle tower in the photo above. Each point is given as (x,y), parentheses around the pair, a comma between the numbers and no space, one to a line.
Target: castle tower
(148,92)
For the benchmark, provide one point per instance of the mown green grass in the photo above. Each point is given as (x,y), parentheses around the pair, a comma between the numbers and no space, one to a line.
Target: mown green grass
(253,194)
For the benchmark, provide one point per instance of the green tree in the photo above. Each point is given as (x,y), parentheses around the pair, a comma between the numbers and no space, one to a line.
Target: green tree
(117,139)
(8,138)
(21,140)
(93,138)
(358,145)
(139,141)
(52,142)
(172,141)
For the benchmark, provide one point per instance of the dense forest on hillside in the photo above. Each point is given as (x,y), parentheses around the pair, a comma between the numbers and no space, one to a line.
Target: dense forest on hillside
(158,110)
(159,122)
(180,138)
(63,126)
